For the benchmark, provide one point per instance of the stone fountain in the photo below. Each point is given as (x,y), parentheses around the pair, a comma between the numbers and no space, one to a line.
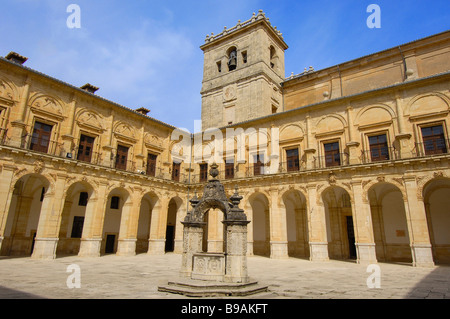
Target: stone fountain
(214,273)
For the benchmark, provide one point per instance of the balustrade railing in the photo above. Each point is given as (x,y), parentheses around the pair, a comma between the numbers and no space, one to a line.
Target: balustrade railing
(378,155)
(432,147)
(331,160)
(53,147)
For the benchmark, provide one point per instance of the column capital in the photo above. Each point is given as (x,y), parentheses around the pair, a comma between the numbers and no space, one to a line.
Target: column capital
(409,178)
(311,186)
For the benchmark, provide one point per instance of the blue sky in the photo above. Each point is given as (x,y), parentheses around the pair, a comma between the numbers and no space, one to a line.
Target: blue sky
(145,53)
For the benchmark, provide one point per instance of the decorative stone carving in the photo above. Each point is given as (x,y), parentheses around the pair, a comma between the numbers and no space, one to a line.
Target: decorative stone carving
(332,179)
(48,104)
(438,174)
(6,91)
(90,120)
(125,130)
(211,266)
(38,167)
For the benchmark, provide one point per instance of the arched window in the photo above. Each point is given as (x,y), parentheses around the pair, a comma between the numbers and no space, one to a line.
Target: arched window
(232,58)
(273,57)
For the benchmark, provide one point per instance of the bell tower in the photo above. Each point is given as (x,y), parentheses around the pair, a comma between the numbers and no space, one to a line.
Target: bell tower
(242,72)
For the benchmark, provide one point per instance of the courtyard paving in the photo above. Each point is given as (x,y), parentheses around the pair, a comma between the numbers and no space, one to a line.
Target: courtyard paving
(138,277)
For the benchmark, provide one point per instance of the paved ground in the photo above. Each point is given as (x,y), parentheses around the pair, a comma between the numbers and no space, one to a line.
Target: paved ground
(138,277)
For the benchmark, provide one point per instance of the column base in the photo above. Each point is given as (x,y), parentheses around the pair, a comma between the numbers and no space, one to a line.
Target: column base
(126,247)
(422,255)
(279,249)
(156,247)
(178,246)
(366,253)
(90,247)
(318,252)
(45,248)
(215,246)
(250,248)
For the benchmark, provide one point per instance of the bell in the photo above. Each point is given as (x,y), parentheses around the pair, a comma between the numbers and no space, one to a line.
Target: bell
(232,61)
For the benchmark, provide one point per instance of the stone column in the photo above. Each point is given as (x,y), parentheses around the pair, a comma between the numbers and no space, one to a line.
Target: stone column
(128,228)
(192,244)
(18,126)
(236,257)
(417,226)
(93,223)
(278,229)
(68,136)
(178,245)
(6,176)
(249,210)
(402,137)
(50,221)
(107,147)
(318,243)
(362,217)
(157,240)
(352,145)
(309,151)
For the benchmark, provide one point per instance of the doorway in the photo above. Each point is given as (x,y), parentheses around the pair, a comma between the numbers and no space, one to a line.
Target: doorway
(170,236)
(351,238)
(110,241)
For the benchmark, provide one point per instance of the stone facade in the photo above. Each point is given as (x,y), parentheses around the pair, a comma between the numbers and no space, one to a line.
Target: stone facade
(361,153)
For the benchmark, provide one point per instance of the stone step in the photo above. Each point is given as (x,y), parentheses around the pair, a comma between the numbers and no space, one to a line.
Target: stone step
(199,288)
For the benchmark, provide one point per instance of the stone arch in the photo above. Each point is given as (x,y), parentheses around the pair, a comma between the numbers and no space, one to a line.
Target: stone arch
(89,118)
(337,202)
(232,59)
(79,200)
(377,113)
(149,209)
(330,123)
(390,226)
(29,191)
(291,131)
(258,212)
(294,203)
(48,103)
(258,138)
(173,223)
(436,195)
(8,90)
(273,57)
(118,204)
(431,102)
(123,130)
(396,181)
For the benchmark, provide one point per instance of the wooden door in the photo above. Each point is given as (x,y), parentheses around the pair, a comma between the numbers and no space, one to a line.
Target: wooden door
(121,157)
(40,139)
(85,148)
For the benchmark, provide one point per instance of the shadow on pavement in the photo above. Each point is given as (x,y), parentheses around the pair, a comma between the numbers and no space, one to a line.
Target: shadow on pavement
(7,293)
(436,285)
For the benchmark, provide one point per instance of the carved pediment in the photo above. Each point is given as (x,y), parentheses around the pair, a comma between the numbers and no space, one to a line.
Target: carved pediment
(47,105)
(6,91)
(90,120)
(153,140)
(124,130)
